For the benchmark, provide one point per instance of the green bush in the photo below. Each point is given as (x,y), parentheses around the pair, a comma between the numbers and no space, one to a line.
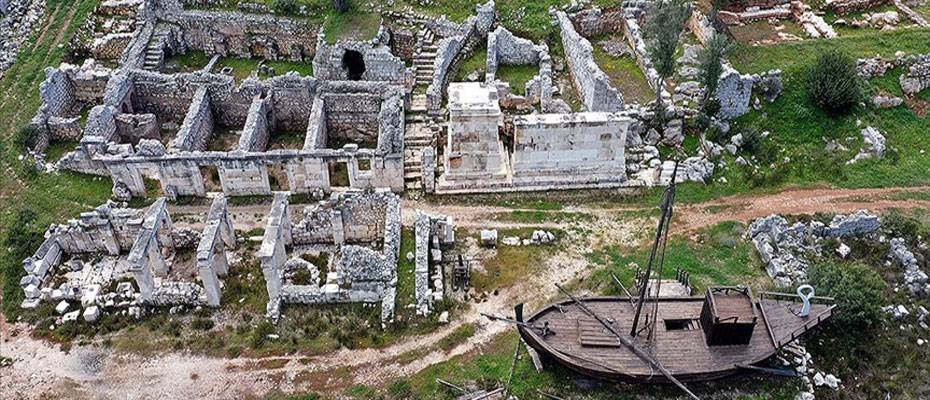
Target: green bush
(285,6)
(260,334)
(833,84)
(858,293)
(202,324)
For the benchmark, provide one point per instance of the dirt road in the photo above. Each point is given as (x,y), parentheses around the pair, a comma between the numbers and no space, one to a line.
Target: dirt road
(41,370)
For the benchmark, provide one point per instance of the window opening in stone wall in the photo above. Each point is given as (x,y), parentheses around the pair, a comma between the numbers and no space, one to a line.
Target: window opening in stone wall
(338,174)
(211,178)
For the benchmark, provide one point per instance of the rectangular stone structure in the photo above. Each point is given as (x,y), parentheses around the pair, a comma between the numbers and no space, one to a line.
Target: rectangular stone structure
(474,149)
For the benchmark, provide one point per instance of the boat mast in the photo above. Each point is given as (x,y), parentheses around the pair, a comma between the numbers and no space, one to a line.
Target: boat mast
(661,233)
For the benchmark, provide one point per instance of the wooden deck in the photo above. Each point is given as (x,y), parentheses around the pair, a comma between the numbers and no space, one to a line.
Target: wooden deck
(582,344)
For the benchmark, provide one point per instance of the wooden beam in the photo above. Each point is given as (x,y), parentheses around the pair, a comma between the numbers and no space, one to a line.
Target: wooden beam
(636,350)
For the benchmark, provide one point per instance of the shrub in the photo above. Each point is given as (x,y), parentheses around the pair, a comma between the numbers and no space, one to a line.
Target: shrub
(400,389)
(260,334)
(285,6)
(833,83)
(202,324)
(858,292)
(711,64)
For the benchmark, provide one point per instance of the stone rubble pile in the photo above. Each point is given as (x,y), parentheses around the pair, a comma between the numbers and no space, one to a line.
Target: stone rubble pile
(915,279)
(434,235)
(916,76)
(538,237)
(798,358)
(784,248)
(873,145)
(17,21)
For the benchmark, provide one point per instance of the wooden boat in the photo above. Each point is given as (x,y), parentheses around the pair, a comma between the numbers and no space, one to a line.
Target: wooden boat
(657,337)
(696,338)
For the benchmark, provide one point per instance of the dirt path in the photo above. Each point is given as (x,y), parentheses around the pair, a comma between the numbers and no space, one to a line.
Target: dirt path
(92,372)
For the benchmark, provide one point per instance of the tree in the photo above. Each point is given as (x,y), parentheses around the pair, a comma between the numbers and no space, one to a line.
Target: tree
(858,292)
(711,64)
(341,5)
(833,83)
(663,33)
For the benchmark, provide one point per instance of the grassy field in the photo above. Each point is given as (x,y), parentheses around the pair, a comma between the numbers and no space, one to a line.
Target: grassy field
(49,198)
(625,75)
(241,67)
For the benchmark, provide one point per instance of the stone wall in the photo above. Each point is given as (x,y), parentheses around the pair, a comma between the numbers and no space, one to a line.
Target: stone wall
(379,64)
(593,22)
(735,90)
(242,35)
(197,127)
(453,47)
(634,36)
(917,76)
(578,146)
(506,49)
(433,234)
(361,274)
(594,87)
(349,218)
(848,6)
(122,243)
(256,132)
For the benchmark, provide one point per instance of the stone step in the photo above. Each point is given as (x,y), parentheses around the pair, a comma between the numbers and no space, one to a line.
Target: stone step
(418,142)
(413,175)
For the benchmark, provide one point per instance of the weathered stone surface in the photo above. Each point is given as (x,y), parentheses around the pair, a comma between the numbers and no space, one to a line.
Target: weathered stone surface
(593,85)
(873,145)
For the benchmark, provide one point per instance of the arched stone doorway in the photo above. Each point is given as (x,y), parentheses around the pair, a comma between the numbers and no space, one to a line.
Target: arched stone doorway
(354,64)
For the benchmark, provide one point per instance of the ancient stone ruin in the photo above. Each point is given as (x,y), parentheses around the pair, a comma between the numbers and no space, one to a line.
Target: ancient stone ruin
(360,235)
(112,245)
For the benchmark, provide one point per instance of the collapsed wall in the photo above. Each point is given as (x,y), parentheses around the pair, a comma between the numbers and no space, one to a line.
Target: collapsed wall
(917,76)
(357,273)
(66,91)
(126,244)
(504,48)
(433,235)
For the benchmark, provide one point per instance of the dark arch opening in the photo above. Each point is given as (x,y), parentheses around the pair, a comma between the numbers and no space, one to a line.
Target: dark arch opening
(354,63)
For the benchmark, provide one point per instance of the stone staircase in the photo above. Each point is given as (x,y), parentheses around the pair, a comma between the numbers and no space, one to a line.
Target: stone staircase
(424,57)
(421,132)
(155,51)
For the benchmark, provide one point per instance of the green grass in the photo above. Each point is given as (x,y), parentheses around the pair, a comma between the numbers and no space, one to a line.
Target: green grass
(511,263)
(286,140)
(476,61)
(517,76)
(52,198)
(457,337)
(625,74)
(718,256)
(353,25)
(798,127)
(242,67)
(57,149)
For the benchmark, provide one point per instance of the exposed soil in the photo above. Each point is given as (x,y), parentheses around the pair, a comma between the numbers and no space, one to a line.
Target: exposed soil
(41,370)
